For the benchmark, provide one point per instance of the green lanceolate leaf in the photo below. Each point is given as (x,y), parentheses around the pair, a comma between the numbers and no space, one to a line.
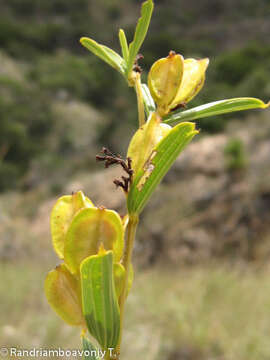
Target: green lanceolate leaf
(63,293)
(158,164)
(149,104)
(124,44)
(90,351)
(140,33)
(104,53)
(100,305)
(62,214)
(90,229)
(215,108)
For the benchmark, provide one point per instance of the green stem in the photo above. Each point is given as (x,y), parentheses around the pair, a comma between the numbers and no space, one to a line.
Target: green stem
(138,89)
(131,232)
(108,357)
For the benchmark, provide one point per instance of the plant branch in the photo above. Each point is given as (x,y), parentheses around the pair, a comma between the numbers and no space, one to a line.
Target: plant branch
(131,232)
(138,89)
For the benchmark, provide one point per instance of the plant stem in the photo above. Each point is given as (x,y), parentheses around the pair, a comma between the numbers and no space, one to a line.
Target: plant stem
(107,356)
(138,89)
(131,232)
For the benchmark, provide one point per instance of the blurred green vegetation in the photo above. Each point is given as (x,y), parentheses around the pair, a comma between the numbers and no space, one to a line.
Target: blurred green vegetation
(25,121)
(235,155)
(42,39)
(195,314)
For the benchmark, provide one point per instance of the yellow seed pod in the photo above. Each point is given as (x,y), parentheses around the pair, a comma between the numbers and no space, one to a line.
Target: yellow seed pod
(144,141)
(89,229)
(62,214)
(63,293)
(192,81)
(164,79)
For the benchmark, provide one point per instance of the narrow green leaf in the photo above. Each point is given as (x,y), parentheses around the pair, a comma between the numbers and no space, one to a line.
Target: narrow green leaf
(100,305)
(116,58)
(215,108)
(149,104)
(90,351)
(140,33)
(158,164)
(104,53)
(124,44)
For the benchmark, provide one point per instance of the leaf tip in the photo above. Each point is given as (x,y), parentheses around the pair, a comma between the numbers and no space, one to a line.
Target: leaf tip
(150,2)
(205,62)
(83,39)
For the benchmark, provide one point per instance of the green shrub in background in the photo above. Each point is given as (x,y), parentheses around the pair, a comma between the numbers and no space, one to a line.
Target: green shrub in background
(42,35)
(25,123)
(235,155)
(233,73)
(238,64)
(77,76)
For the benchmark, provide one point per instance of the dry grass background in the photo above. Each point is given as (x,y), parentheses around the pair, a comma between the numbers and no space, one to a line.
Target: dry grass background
(202,313)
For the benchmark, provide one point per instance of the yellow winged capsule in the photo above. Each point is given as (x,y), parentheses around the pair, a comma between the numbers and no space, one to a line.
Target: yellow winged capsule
(63,293)
(173,81)
(192,81)
(164,79)
(144,141)
(62,214)
(88,230)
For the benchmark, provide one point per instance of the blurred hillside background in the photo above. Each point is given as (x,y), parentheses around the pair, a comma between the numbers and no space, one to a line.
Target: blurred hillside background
(202,286)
